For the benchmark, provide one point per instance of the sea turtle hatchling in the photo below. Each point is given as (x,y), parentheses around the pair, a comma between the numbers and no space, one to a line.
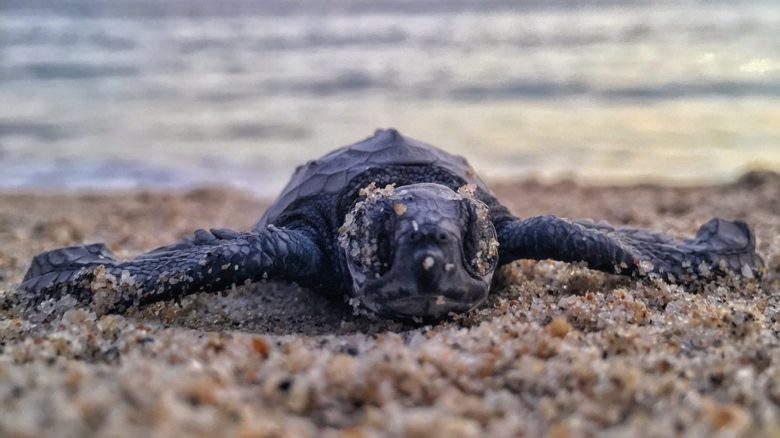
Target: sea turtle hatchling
(400,227)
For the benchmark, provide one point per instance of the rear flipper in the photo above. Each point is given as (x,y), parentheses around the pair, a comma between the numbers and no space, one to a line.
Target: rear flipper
(210,261)
(720,247)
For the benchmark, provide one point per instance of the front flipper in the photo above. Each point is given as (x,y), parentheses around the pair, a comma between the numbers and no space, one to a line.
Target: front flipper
(210,261)
(720,246)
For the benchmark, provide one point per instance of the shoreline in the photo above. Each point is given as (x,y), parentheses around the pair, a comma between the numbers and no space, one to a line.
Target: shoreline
(557,350)
(188,185)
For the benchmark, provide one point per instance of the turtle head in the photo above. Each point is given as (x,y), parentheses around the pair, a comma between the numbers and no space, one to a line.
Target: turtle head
(420,250)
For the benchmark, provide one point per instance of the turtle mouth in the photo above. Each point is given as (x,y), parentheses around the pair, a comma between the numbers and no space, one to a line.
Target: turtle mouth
(426,306)
(397,295)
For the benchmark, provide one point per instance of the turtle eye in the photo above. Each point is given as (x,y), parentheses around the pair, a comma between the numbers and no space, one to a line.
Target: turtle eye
(480,245)
(365,236)
(384,251)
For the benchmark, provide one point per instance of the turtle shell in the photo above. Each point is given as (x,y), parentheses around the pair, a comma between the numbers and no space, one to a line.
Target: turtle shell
(331,173)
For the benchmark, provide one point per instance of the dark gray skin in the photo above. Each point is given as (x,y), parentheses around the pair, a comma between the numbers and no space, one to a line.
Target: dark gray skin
(421,249)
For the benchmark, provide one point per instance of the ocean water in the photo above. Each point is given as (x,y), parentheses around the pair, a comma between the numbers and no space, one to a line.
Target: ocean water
(98,94)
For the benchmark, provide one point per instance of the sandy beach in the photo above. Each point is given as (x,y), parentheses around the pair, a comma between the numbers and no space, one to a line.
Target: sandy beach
(557,350)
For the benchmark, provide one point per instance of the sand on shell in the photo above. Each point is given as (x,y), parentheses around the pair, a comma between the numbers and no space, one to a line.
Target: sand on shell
(557,350)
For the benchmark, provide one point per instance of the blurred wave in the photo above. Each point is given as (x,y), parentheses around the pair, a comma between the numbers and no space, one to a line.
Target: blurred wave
(167,93)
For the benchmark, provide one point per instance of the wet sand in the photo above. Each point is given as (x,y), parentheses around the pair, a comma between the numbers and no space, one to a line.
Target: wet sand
(557,350)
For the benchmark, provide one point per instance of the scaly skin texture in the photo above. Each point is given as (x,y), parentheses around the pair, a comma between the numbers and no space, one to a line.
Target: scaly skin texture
(210,261)
(719,247)
(297,240)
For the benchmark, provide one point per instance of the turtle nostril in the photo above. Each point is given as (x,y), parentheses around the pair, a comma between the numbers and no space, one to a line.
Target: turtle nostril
(428,271)
(441,236)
